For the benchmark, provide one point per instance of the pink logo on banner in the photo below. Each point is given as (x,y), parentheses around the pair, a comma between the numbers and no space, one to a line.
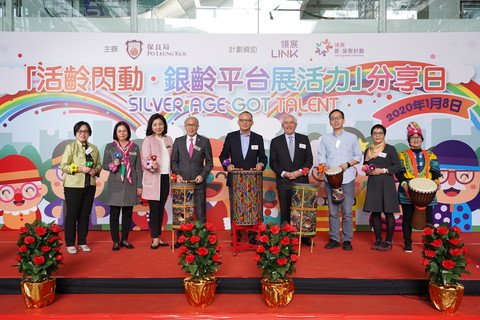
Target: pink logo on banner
(134,48)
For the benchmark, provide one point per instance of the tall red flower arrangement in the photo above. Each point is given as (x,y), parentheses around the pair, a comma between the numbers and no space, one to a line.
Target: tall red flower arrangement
(276,251)
(200,251)
(39,252)
(444,254)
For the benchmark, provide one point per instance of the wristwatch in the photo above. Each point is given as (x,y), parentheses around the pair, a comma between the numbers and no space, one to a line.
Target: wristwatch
(348,165)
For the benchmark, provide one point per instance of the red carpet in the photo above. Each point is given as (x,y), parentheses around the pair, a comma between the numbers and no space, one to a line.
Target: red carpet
(330,265)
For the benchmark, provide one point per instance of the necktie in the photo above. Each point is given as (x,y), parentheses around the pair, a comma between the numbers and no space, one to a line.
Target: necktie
(190,148)
(291,147)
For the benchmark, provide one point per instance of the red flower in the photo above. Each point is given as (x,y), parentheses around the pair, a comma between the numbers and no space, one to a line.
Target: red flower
(39,260)
(18,257)
(59,257)
(209,226)
(282,261)
(56,228)
(429,253)
(456,252)
(202,251)
(23,230)
(23,248)
(448,264)
(263,238)
(293,257)
(275,229)
(190,258)
(457,230)
(188,227)
(218,248)
(182,250)
(194,239)
(428,231)
(289,228)
(455,242)
(217,257)
(295,241)
(275,249)
(285,240)
(425,262)
(437,243)
(256,258)
(45,248)
(262,227)
(442,230)
(212,238)
(53,238)
(40,231)
(260,249)
(29,240)
(181,239)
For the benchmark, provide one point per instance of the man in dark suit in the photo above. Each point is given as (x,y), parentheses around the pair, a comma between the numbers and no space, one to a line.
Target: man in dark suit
(290,153)
(245,150)
(192,160)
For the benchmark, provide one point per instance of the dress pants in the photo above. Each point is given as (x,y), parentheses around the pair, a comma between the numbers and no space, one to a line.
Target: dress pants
(126,222)
(157,207)
(79,203)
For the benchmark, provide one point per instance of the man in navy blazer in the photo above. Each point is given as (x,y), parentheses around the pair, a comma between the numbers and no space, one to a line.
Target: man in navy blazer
(288,163)
(245,150)
(194,167)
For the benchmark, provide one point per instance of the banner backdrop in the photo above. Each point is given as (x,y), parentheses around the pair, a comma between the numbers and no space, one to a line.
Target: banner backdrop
(49,81)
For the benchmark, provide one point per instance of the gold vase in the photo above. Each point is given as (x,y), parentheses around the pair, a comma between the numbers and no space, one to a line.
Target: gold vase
(446,298)
(38,294)
(200,293)
(277,294)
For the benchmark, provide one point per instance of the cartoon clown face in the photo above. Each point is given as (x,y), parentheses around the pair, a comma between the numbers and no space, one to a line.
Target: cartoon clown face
(21,191)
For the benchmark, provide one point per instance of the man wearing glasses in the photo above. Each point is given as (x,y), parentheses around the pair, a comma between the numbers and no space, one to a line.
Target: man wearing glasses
(192,161)
(415,163)
(243,149)
(340,149)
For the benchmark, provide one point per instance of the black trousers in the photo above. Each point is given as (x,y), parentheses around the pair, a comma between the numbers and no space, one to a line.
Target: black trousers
(200,199)
(158,206)
(79,202)
(407,211)
(126,222)
(285,200)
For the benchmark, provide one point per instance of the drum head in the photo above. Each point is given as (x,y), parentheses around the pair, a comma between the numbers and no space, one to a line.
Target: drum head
(333,171)
(422,185)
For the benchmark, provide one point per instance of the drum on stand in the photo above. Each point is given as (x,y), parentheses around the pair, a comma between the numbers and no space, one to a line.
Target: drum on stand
(303,211)
(183,204)
(421,192)
(247,197)
(335,178)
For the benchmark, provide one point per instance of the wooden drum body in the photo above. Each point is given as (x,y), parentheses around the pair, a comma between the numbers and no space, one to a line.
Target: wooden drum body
(303,212)
(421,192)
(183,204)
(335,178)
(247,197)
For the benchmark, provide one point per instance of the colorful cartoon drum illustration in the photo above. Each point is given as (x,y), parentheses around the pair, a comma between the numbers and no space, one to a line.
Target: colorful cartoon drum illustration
(247,197)
(335,178)
(183,204)
(303,212)
(421,192)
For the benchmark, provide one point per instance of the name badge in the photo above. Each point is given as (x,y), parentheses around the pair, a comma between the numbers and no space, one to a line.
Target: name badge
(337,144)
(254,147)
(197,148)
(302,146)
(134,153)
(88,151)
(382,154)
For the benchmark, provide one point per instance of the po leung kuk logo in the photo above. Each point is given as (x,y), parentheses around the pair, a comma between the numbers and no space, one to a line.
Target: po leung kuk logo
(134,48)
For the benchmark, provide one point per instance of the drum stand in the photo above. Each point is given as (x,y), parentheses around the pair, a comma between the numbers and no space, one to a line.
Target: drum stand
(242,246)
(300,237)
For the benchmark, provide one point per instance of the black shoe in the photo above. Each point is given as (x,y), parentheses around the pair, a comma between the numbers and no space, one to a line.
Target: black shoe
(177,245)
(154,246)
(377,244)
(332,244)
(307,241)
(126,244)
(163,244)
(116,246)
(347,245)
(408,248)
(385,246)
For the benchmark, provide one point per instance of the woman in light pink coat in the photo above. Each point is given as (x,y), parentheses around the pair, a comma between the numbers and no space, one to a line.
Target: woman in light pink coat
(156,154)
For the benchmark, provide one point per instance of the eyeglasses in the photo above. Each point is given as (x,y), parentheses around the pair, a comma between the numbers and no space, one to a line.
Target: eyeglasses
(415,137)
(463,177)
(336,118)
(83,131)
(191,125)
(377,134)
(28,190)
(244,120)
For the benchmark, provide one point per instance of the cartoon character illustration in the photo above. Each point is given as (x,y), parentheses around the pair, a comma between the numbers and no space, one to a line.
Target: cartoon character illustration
(55,176)
(21,191)
(458,196)
(100,211)
(140,215)
(217,192)
(271,211)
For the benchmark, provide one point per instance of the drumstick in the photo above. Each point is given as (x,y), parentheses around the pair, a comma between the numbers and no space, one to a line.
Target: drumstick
(173,240)
(301,226)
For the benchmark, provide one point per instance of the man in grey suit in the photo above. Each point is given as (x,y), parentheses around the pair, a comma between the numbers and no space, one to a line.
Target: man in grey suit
(192,160)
